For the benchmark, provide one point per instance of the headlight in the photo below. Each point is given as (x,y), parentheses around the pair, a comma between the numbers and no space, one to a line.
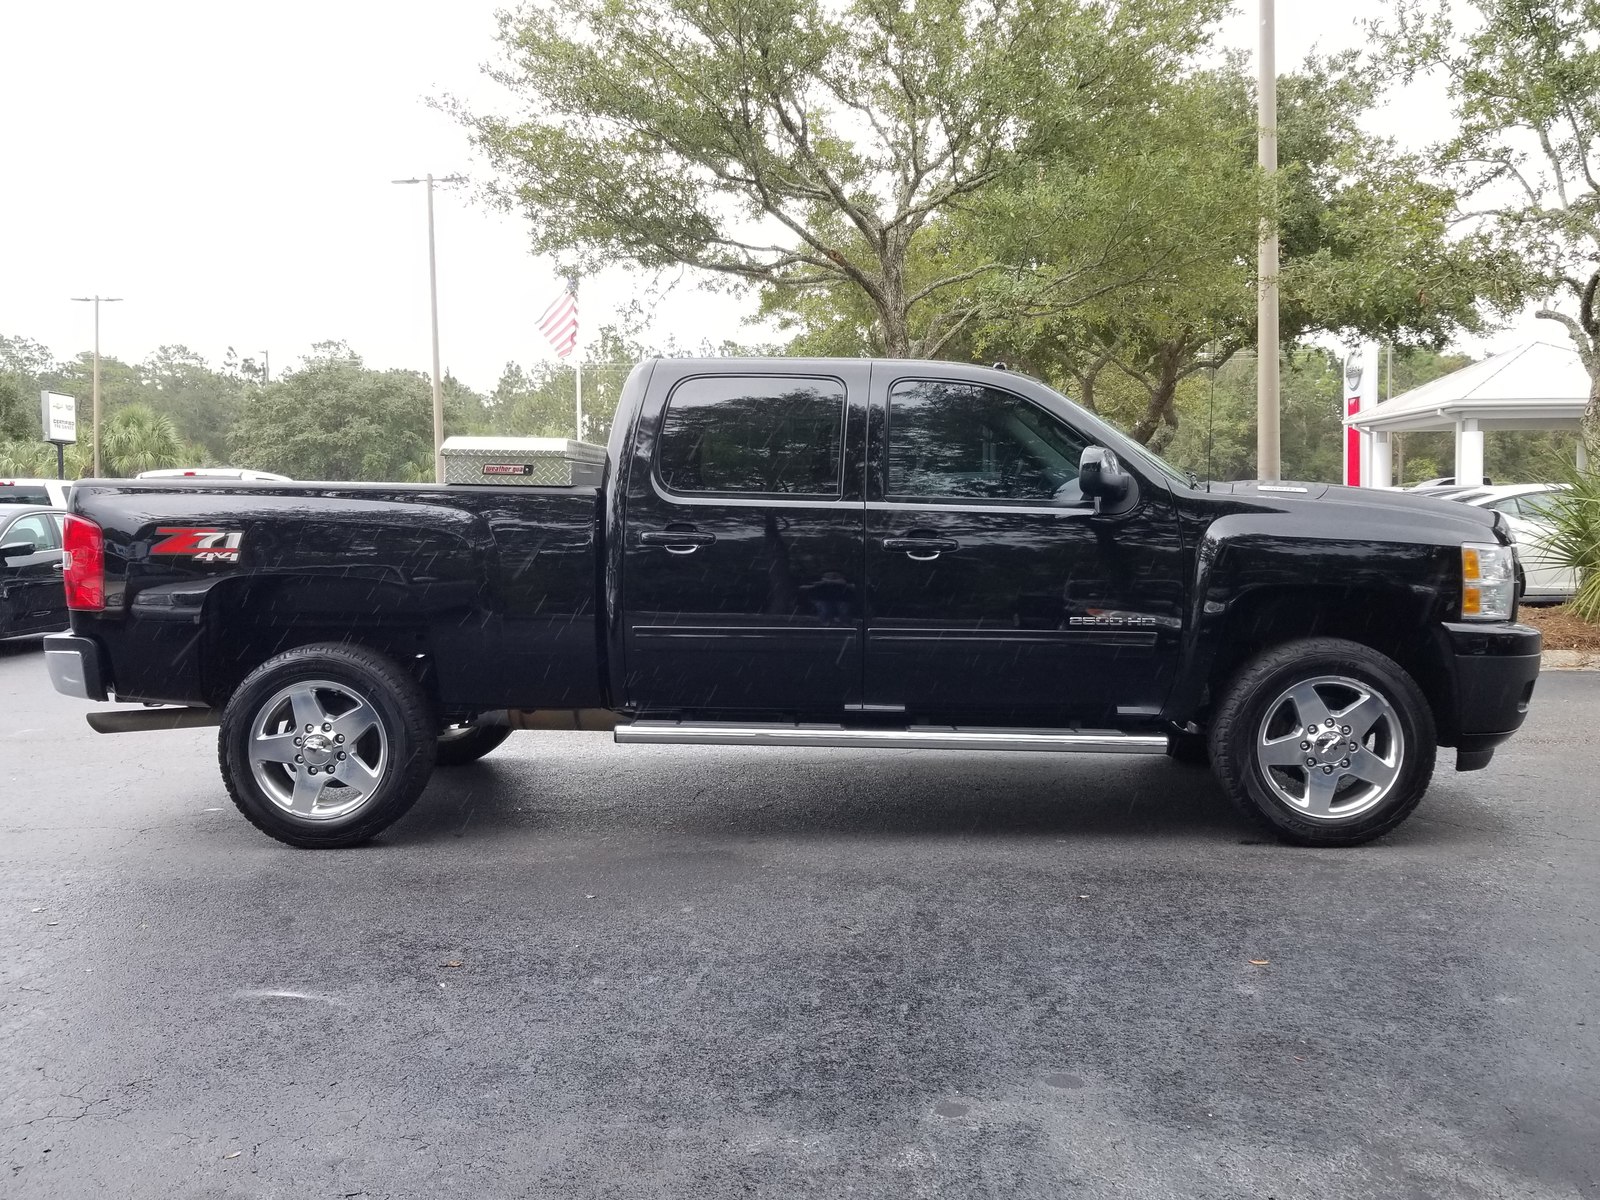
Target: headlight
(1488,582)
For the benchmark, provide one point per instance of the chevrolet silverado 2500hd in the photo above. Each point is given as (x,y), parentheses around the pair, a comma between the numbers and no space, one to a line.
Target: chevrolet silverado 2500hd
(793,552)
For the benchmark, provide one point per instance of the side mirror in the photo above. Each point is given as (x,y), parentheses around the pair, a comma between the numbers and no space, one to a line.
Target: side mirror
(1102,479)
(17,550)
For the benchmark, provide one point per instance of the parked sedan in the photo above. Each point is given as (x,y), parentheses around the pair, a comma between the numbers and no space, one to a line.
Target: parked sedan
(32,599)
(1527,507)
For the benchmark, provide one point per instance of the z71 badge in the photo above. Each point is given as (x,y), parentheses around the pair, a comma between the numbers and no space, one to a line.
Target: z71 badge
(202,545)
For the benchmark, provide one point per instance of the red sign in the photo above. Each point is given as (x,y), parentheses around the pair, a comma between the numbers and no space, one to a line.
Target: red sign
(1352,445)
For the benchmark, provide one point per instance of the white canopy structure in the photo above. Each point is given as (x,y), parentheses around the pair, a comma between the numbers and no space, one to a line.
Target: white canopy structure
(1538,385)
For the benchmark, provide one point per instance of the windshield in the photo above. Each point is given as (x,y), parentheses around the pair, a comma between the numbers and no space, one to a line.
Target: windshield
(1112,439)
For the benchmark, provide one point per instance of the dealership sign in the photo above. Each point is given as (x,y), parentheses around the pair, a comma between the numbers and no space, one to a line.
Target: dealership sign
(59,415)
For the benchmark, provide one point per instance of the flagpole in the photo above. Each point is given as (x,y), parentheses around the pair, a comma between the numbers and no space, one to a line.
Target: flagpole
(577,378)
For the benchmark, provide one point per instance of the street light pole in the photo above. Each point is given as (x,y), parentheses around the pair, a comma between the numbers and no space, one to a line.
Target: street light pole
(433,309)
(97,301)
(1268,443)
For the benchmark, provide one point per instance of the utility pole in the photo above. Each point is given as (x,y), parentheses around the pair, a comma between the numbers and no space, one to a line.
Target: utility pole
(97,301)
(433,308)
(1268,457)
(266,367)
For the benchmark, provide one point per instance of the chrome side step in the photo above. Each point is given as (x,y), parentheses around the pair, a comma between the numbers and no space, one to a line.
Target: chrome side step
(918,737)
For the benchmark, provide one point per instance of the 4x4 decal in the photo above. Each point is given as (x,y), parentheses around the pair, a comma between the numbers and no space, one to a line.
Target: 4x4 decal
(201,544)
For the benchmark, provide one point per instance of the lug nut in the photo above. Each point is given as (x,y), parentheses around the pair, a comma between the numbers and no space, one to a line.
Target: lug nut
(341,756)
(327,727)
(338,737)
(1329,722)
(309,728)
(311,770)
(1345,730)
(1327,770)
(1355,745)
(1311,762)
(1344,762)
(297,758)
(1311,729)
(297,741)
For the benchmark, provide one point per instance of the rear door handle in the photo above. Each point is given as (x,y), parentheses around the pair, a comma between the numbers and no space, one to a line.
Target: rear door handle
(922,549)
(677,541)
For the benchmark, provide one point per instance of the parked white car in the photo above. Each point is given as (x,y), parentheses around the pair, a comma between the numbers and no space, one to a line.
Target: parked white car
(52,493)
(238,474)
(1527,507)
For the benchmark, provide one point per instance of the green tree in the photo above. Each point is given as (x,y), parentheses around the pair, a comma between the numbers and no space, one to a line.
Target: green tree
(24,364)
(333,417)
(814,145)
(1367,247)
(202,403)
(137,438)
(1525,81)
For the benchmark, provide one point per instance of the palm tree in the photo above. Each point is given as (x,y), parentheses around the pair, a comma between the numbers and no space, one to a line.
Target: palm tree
(137,438)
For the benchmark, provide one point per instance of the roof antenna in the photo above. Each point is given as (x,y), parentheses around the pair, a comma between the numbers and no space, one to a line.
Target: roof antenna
(999,366)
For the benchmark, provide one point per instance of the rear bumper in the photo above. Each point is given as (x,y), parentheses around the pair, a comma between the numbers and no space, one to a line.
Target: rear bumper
(75,666)
(1494,669)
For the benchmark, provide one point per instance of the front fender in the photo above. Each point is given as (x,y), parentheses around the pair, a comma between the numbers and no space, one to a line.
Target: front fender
(1257,583)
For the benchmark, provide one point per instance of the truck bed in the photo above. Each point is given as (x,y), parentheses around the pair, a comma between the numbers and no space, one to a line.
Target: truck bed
(445,572)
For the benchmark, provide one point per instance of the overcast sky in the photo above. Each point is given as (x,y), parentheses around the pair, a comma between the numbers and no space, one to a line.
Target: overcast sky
(227,169)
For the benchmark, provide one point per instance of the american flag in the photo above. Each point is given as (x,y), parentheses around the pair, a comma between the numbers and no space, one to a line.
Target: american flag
(560,321)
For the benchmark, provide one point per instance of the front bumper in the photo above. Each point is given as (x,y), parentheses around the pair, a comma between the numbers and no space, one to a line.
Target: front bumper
(1493,670)
(74,664)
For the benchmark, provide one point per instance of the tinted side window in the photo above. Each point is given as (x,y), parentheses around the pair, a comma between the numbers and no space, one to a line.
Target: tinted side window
(753,434)
(39,530)
(966,441)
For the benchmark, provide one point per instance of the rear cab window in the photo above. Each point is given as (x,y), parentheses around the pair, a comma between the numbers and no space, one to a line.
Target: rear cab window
(735,435)
(23,493)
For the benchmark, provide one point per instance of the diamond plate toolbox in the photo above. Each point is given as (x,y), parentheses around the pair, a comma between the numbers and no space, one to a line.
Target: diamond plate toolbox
(523,462)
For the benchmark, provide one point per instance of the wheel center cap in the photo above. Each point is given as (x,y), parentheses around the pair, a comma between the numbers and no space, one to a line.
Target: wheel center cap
(318,749)
(1329,745)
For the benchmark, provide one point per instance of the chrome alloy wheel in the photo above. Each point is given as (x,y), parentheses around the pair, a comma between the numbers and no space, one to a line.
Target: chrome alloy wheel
(1330,747)
(318,749)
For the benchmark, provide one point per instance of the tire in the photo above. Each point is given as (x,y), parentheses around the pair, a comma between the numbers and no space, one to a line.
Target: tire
(1190,749)
(468,743)
(377,741)
(1361,784)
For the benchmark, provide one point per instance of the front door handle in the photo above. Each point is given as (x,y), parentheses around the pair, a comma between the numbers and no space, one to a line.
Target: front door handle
(677,541)
(921,549)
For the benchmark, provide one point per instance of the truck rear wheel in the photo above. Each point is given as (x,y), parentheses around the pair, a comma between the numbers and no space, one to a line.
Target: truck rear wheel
(327,745)
(1324,742)
(462,744)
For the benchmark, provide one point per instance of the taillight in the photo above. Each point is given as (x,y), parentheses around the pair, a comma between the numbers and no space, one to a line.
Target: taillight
(83,564)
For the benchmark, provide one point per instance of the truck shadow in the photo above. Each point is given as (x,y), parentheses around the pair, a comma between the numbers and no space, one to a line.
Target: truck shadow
(716,793)
(21,647)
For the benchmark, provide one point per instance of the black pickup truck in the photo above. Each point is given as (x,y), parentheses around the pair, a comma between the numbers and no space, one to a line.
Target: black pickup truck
(790,552)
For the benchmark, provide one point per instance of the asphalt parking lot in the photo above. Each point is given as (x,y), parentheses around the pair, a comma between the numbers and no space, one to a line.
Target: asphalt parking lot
(580,970)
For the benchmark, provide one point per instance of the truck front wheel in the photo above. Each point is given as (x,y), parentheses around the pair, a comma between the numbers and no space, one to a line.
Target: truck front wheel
(1323,741)
(327,745)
